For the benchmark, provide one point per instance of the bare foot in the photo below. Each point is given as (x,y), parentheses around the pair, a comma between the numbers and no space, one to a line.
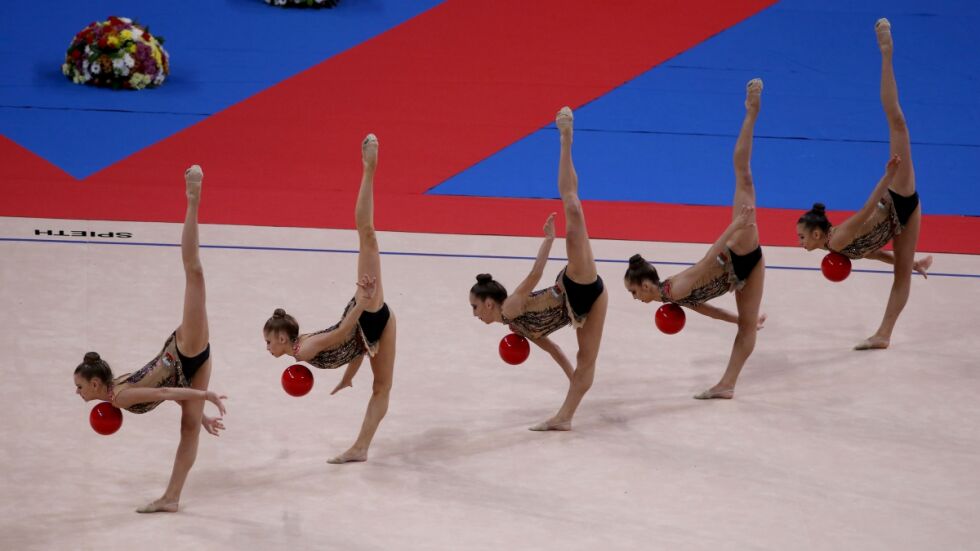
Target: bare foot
(564,120)
(350,456)
(552,424)
(753,93)
(883,28)
(369,151)
(193,177)
(716,393)
(873,343)
(922,266)
(159,506)
(762,321)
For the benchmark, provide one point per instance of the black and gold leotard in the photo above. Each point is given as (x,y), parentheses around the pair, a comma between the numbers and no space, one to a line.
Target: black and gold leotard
(728,275)
(169,368)
(364,337)
(548,310)
(884,225)
(544,313)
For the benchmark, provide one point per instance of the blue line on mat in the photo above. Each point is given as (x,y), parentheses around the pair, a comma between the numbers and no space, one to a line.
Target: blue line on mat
(406,253)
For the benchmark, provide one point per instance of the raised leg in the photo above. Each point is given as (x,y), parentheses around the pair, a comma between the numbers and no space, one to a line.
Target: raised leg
(745,240)
(581,262)
(898,132)
(192,335)
(369,255)
(383,367)
(589,337)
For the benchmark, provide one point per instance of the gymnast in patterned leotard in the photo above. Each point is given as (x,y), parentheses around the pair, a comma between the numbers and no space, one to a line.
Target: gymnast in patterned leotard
(891,213)
(733,264)
(366,328)
(578,297)
(179,372)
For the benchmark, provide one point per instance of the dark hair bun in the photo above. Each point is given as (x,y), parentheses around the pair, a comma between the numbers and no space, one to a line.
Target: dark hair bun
(819,208)
(637,259)
(483,279)
(91,358)
(279,313)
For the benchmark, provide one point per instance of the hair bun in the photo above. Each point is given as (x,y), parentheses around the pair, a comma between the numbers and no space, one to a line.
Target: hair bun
(279,313)
(483,279)
(819,208)
(637,259)
(91,358)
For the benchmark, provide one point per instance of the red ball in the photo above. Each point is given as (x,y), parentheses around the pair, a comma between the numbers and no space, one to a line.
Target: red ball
(105,418)
(835,267)
(670,318)
(297,380)
(514,349)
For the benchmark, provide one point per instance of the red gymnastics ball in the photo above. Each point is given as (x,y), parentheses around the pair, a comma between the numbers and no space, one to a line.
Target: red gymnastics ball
(297,380)
(105,418)
(835,267)
(514,349)
(670,318)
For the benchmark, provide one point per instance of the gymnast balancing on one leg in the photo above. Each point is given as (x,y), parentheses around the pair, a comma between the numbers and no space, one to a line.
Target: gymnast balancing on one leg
(180,372)
(733,263)
(892,212)
(368,326)
(578,297)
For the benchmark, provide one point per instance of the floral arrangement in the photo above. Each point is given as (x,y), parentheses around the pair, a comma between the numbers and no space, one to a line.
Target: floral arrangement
(304,3)
(117,53)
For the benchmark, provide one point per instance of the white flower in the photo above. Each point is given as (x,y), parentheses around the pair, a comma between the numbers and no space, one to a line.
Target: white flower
(129,61)
(119,67)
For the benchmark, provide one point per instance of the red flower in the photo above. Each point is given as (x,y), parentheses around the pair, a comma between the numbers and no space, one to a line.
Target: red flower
(75,54)
(103,43)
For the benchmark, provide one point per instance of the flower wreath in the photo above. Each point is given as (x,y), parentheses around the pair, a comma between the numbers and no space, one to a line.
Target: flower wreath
(117,53)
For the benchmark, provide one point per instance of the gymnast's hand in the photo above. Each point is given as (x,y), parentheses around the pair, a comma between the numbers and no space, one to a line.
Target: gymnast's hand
(367,286)
(745,218)
(549,226)
(892,167)
(213,397)
(344,383)
(212,424)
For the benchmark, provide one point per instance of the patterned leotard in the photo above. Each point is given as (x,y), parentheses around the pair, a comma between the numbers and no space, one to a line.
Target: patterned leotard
(719,280)
(353,346)
(876,232)
(546,311)
(165,370)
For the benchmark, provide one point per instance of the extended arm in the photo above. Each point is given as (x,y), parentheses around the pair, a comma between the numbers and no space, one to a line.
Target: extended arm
(514,305)
(714,312)
(845,232)
(682,283)
(349,373)
(133,396)
(325,341)
(546,344)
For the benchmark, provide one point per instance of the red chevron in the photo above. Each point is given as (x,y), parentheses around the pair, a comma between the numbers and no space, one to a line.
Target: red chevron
(442,91)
